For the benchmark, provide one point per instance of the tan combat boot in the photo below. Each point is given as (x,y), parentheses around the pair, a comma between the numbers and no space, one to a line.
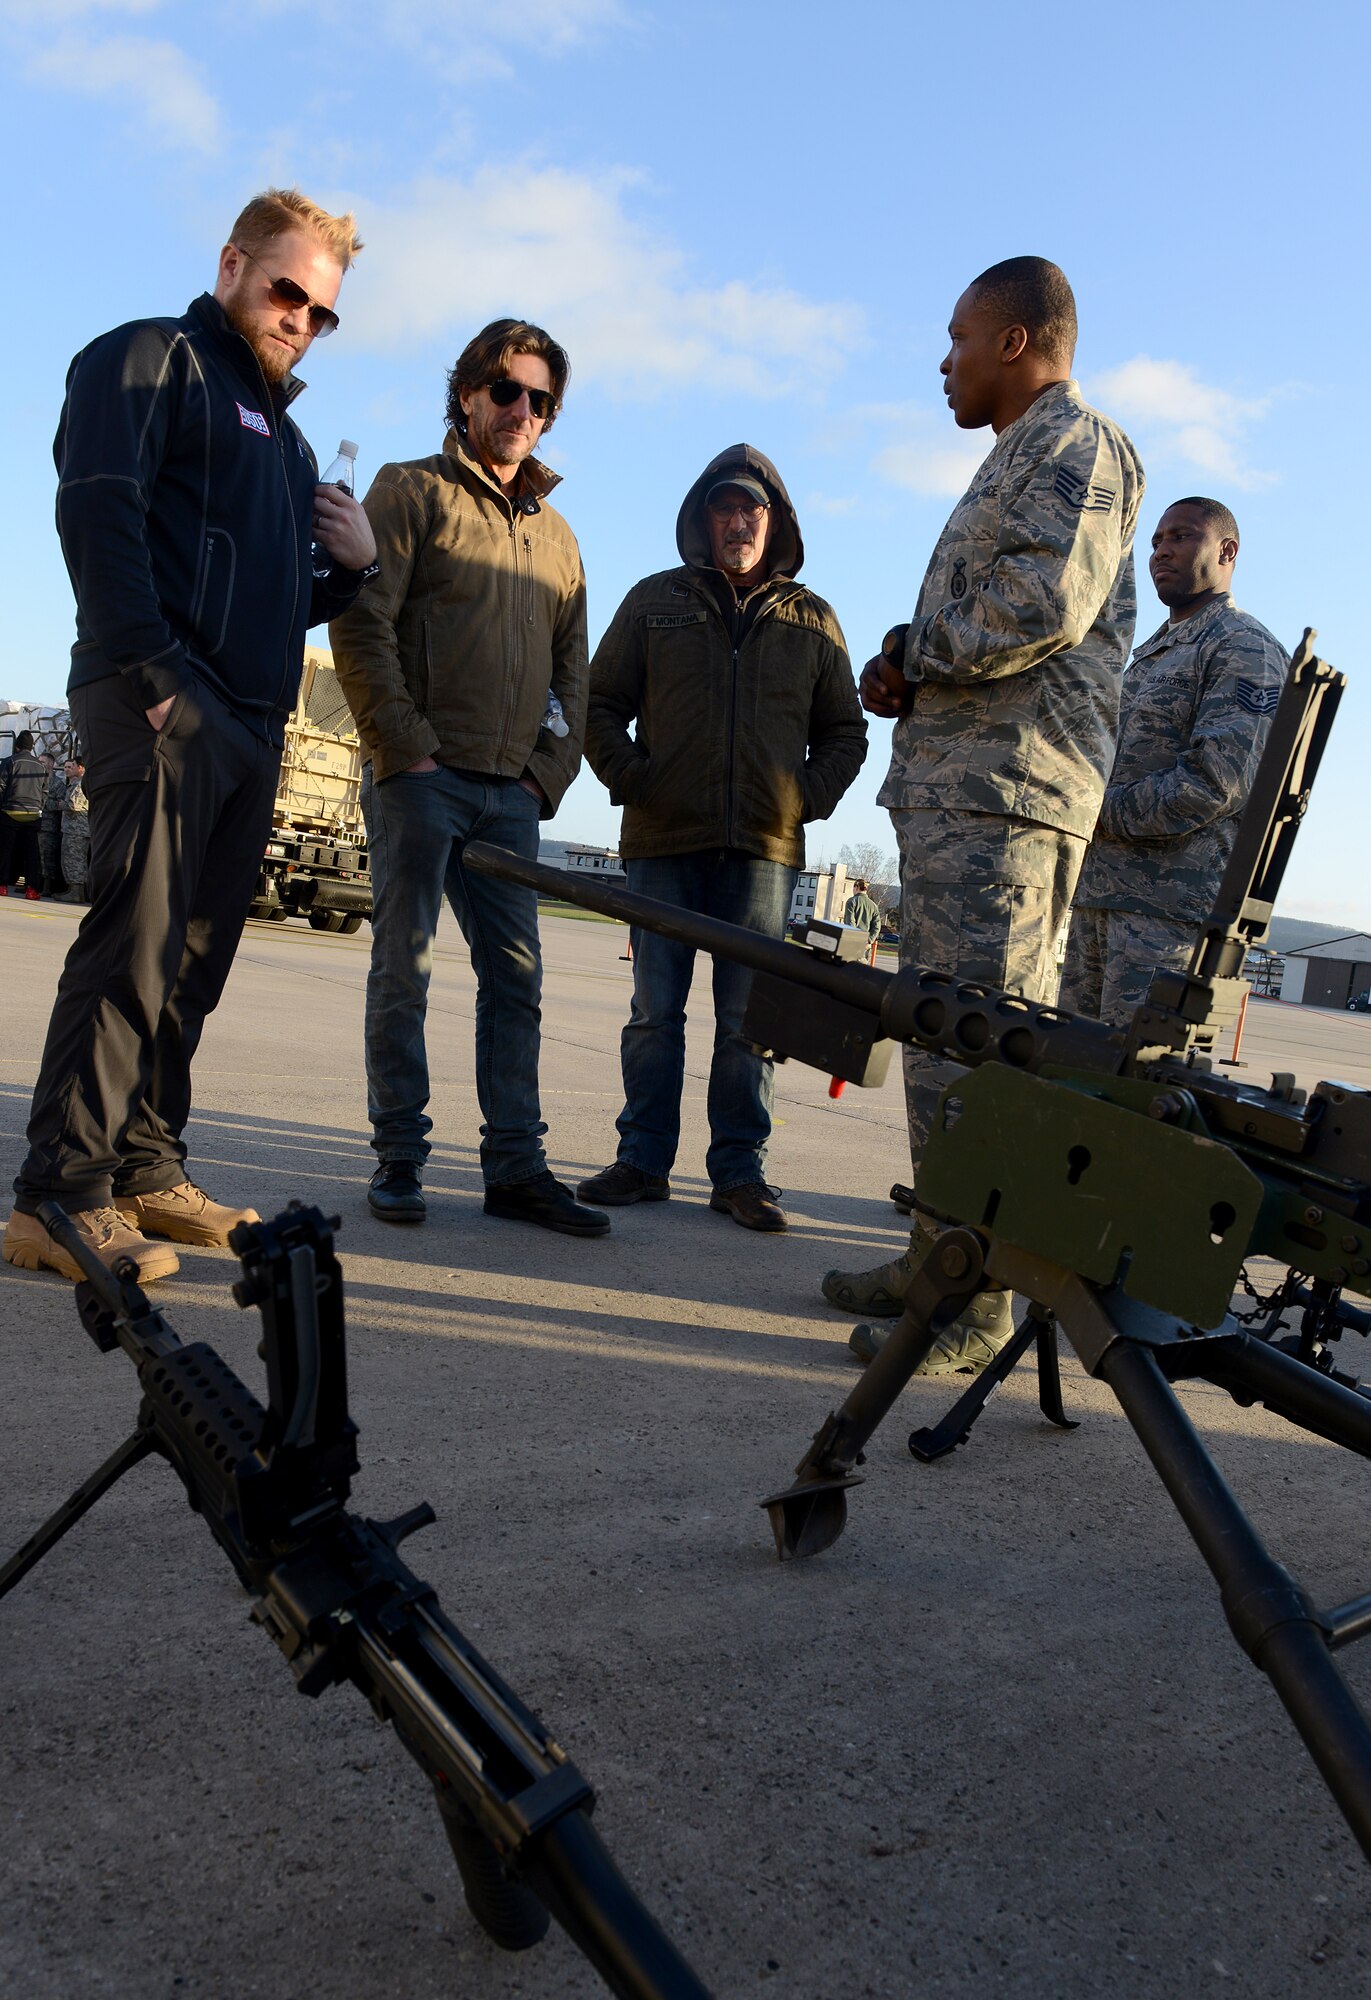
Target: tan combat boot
(185,1214)
(28,1246)
(879,1292)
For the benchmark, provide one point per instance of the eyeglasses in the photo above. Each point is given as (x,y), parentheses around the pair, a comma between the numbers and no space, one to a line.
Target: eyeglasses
(724,510)
(506,392)
(284,292)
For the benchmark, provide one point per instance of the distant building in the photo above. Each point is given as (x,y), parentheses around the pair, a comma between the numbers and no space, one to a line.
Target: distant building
(592,860)
(1329,974)
(822,893)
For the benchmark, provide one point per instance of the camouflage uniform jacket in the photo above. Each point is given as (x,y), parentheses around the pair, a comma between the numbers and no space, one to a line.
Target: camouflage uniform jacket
(1196,708)
(1023,626)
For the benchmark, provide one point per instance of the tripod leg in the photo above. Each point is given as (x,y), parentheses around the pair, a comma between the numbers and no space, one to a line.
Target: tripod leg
(1245,1365)
(812,1513)
(1049,1374)
(130,1452)
(936,1440)
(1266,1610)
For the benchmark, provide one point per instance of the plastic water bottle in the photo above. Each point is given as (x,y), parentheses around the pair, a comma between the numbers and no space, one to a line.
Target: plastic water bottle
(343,473)
(554,721)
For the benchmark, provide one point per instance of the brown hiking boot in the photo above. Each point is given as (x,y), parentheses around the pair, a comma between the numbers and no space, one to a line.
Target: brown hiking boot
(28,1246)
(754,1204)
(183,1214)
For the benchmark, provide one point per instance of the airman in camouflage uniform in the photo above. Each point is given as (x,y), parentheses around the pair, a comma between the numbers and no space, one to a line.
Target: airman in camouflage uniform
(1006,686)
(1196,709)
(50,833)
(76,835)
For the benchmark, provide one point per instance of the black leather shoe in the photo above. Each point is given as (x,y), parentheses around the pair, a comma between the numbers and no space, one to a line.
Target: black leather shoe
(396,1193)
(545,1201)
(620,1184)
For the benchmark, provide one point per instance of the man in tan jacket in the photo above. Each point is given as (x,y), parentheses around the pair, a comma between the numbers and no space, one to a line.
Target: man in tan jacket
(745,725)
(451,663)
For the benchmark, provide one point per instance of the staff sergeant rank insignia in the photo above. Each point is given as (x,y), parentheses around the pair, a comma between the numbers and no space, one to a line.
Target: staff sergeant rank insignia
(1085,496)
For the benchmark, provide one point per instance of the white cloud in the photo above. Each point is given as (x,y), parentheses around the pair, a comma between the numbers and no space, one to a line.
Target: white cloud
(154,80)
(465,39)
(1179,417)
(925,452)
(51,13)
(563,249)
(834,504)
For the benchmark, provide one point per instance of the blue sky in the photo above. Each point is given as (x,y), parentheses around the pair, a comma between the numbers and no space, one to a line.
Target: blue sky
(744,223)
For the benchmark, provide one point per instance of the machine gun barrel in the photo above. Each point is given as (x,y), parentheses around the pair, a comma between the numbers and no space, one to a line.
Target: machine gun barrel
(952,1017)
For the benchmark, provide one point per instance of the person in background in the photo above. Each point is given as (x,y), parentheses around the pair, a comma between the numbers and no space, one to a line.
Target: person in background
(75,850)
(23,788)
(862,911)
(1196,710)
(50,830)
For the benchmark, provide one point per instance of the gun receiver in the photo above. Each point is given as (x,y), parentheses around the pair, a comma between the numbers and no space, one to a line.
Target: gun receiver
(1117,1181)
(329,1587)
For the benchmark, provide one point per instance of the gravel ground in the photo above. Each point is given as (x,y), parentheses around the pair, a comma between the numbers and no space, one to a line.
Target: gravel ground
(997,1741)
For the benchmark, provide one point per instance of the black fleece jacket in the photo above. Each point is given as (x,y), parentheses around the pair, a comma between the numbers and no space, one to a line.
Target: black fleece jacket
(184,504)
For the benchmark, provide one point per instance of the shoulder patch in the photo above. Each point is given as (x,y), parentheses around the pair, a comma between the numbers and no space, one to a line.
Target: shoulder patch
(253,420)
(668,621)
(1085,496)
(1257,700)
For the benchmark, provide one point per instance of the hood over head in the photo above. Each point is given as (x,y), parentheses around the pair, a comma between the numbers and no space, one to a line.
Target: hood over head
(785,551)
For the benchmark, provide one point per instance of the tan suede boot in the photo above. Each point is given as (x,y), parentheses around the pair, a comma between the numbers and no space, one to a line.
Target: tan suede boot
(28,1246)
(184,1214)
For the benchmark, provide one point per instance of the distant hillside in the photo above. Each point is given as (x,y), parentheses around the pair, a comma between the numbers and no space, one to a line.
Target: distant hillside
(1292,933)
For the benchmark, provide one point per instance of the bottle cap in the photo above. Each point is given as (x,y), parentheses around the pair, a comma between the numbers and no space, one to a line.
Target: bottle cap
(346,448)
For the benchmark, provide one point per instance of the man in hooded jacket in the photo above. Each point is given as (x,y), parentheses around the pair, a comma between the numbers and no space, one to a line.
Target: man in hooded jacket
(746,724)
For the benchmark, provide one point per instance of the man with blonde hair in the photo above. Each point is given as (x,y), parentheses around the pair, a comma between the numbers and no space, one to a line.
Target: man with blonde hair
(187,504)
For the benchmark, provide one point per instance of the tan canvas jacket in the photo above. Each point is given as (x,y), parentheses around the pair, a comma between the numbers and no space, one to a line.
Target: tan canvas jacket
(479,610)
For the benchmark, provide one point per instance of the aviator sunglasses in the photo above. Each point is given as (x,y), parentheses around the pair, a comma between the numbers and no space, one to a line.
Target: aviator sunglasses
(285,293)
(507,392)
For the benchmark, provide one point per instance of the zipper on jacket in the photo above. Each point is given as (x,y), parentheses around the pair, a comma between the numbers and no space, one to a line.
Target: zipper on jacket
(528,579)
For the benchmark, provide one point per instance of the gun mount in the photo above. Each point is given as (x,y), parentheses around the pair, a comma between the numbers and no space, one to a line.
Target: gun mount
(1118,1181)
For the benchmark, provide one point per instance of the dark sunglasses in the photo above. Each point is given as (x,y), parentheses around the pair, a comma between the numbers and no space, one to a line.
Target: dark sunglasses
(506,392)
(290,297)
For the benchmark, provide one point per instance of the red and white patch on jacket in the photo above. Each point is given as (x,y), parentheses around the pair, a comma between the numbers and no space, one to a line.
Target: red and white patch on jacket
(253,420)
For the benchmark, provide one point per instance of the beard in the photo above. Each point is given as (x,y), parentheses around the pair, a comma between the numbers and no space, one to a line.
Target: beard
(274,360)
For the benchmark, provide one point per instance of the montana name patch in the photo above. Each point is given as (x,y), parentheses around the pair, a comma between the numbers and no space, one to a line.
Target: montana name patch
(253,420)
(1084,495)
(670,621)
(1257,700)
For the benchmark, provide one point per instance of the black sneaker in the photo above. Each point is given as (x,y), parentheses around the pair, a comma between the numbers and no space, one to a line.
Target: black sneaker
(620,1184)
(396,1193)
(754,1204)
(545,1201)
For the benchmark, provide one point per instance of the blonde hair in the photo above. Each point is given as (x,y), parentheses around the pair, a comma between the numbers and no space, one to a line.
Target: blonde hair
(272,214)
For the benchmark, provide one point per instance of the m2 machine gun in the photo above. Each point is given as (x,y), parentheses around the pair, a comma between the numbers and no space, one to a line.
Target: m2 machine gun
(330,1589)
(1119,1181)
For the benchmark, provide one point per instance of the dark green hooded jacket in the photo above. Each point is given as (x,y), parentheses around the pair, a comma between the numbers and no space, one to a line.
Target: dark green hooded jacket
(745,717)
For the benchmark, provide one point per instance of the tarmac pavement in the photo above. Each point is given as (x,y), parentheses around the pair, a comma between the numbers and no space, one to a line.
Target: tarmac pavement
(998,1741)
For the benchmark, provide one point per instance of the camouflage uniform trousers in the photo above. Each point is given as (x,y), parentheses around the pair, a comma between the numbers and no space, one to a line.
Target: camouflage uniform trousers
(50,850)
(76,853)
(1112,955)
(985,897)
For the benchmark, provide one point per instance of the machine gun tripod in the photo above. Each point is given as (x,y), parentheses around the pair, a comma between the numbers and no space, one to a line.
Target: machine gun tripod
(1118,1180)
(329,1587)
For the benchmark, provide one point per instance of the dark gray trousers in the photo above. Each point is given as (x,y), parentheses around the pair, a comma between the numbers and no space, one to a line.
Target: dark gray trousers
(179,825)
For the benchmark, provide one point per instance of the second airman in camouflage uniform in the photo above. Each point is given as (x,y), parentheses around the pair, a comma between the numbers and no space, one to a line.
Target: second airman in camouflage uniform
(1006,686)
(1196,708)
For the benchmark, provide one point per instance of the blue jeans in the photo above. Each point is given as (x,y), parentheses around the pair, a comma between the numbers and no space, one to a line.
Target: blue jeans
(417,824)
(742,890)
